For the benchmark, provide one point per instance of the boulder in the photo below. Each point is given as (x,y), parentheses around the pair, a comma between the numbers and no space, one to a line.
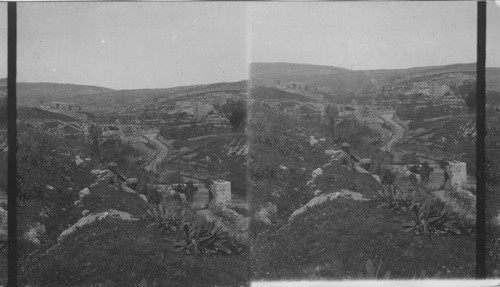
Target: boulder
(312,140)
(317,172)
(78,160)
(84,192)
(328,197)
(93,217)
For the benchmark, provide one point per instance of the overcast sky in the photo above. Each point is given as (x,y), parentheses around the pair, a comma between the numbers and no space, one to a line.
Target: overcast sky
(3,40)
(153,45)
(367,35)
(132,45)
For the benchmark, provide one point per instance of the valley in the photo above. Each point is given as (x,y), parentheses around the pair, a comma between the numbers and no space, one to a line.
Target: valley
(259,161)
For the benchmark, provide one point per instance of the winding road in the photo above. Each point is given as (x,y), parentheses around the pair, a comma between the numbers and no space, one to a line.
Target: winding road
(395,137)
(160,155)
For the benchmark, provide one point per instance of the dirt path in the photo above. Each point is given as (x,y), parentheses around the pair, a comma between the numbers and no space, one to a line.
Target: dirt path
(397,136)
(160,155)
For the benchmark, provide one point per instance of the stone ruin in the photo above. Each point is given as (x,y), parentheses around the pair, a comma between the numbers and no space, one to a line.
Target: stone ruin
(221,190)
(456,174)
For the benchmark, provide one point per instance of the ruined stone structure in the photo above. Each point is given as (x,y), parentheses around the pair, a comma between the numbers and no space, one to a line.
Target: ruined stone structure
(222,192)
(456,174)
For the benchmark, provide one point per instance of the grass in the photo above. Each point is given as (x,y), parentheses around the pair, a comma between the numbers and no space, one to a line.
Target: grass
(108,252)
(345,234)
(118,253)
(334,240)
(492,232)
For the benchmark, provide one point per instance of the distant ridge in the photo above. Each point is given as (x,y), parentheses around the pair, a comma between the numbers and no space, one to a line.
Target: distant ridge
(335,80)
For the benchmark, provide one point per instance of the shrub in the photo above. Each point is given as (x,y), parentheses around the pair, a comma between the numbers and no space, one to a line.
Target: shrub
(395,198)
(166,215)
(432,216)
(188,190)
(202,237)
(425,171)
(235,112)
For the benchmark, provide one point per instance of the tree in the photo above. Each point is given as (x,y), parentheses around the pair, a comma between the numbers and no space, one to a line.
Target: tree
(425,171)
(331,113)
(468,92)
(235,112)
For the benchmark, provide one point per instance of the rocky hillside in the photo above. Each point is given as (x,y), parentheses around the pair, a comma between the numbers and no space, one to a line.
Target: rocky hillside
(314,218)
(337,82)
(76,228)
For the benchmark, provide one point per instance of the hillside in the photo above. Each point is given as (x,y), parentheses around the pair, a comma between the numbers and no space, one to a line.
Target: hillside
(339,81)
(31,94)
(104,100)
(316,219)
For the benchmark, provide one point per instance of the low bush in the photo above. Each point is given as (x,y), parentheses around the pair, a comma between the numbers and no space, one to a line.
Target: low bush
(432,216)
(202,237)
(166,215)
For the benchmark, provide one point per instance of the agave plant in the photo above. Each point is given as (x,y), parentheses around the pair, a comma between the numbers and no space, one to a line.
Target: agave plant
(432,216)
(394,198)
(166,215)
(202,237)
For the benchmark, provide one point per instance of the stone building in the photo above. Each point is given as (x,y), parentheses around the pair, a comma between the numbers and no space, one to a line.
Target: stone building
(221,191)
(456,174)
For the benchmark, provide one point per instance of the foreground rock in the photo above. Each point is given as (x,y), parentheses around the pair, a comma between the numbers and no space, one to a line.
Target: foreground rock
(93,217)
(329,197)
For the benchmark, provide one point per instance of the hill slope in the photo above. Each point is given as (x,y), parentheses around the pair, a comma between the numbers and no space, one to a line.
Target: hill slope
(335,81)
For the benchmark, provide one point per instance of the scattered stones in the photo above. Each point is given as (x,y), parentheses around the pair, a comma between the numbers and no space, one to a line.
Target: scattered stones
(317,192)
(93,217)
(283,167)
(85,212)
(84,192)
(34,232)
(50,187)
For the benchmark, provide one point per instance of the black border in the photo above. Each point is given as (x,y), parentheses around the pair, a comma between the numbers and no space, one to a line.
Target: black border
(12,142)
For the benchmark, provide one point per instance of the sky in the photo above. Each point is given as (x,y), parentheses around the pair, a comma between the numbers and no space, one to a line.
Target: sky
(3,40)
(159,45)
(132,45)
(366,35)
